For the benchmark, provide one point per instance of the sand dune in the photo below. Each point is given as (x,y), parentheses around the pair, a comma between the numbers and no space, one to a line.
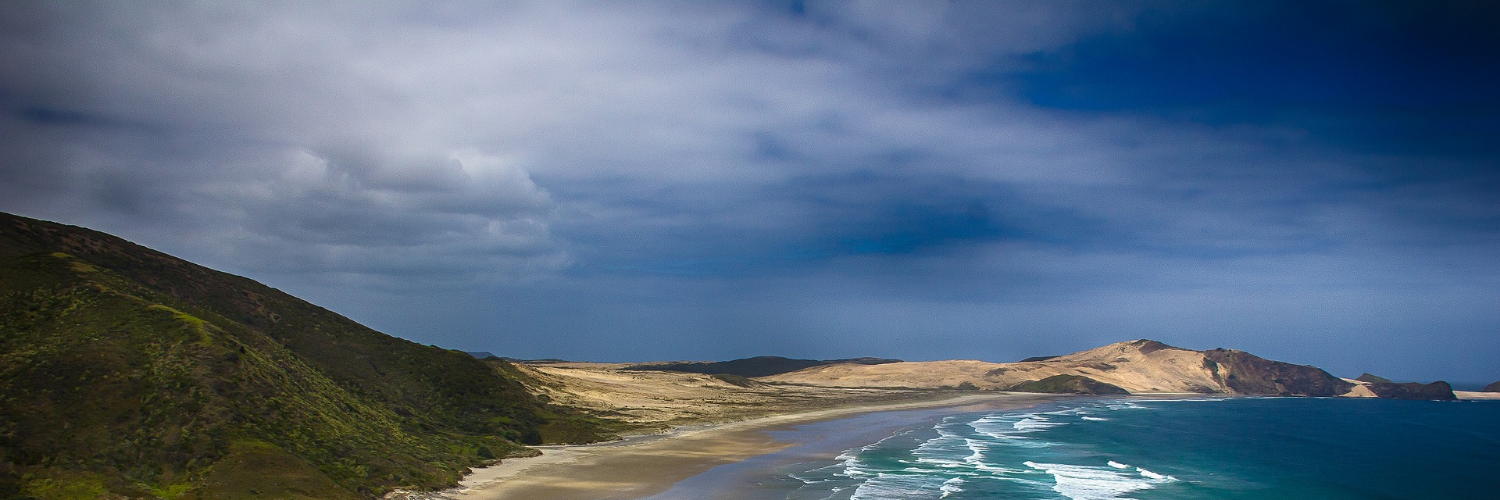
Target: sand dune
(654,400)
(1138,366)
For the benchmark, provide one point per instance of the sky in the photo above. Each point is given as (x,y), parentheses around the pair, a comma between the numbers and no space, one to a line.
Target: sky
(1310,181)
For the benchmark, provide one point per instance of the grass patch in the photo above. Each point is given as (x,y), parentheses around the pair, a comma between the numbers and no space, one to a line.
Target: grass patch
(57,484)
(1068,384)
(243,473)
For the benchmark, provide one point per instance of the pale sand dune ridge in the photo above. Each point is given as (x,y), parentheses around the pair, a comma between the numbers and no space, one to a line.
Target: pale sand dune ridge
(1137,366)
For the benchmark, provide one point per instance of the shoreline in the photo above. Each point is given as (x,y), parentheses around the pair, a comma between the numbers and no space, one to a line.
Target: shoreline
(644,465)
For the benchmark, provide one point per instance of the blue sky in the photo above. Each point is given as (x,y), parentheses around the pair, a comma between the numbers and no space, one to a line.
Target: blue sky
(1316,182)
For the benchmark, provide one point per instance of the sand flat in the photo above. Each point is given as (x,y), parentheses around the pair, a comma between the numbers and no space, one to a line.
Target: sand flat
(1476,395)
(648,465)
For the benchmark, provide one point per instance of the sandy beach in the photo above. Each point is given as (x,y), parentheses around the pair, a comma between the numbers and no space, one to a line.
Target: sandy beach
(1476,395)
(646,465)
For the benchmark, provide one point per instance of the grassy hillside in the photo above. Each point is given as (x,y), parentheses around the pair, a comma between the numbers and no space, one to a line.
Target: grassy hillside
(127,372)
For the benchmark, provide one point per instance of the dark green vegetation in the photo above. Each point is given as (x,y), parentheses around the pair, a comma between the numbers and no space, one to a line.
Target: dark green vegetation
(1374,379)
(1439,390)
(128,372)
(1034,359)
(760,366)
(1495,387)
(737,380)
(1068,384)
(1247,373)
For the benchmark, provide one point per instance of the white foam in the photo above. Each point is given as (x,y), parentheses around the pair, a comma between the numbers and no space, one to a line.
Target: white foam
(995,426)
(853,467)
(1152,475)
(951,486)
(1125,405)
(976,449)
(1191,400)
(887,486)
(956,450)
(1002,428)
(941,462)
(976,459)
(939,450)
(1034,422)
(1081,482)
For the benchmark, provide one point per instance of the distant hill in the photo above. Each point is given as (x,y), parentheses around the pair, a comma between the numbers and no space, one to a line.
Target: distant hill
(543,361)
(128,372)
(1374,379)
(1439,390)
(1495,387)
(1068,384)
(1138,366)
(759,366)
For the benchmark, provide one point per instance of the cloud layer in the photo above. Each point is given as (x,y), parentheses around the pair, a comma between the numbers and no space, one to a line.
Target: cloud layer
(688,179)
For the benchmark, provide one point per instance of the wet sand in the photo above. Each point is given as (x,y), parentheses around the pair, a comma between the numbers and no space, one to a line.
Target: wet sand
(648,465)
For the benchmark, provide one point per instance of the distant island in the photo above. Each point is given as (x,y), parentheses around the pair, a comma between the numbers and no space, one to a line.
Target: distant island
(126,372)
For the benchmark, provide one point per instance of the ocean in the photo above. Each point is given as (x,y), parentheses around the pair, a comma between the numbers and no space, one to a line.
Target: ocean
(1087,449)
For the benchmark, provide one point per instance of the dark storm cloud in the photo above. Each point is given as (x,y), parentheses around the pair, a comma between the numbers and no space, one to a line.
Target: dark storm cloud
(907,179)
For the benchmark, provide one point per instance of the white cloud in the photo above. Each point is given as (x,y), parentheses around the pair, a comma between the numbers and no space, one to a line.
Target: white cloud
(356,127)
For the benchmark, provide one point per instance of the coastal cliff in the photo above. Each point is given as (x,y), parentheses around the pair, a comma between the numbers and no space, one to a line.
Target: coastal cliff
(1245,373)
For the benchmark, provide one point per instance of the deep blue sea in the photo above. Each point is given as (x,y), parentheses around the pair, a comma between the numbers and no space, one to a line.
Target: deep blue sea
(1234,448)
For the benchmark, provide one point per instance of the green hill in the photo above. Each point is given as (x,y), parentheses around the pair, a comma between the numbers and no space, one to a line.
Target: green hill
(128,372)
(1068,384)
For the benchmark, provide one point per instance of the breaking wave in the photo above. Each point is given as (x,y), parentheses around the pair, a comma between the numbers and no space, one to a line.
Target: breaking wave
(983,455)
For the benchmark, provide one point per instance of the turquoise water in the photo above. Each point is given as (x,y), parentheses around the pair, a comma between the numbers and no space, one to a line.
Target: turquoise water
(1239,448)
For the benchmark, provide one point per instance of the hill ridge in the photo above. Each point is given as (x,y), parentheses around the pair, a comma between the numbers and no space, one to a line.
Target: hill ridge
(1138,366)
(180,369)
(757,366)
